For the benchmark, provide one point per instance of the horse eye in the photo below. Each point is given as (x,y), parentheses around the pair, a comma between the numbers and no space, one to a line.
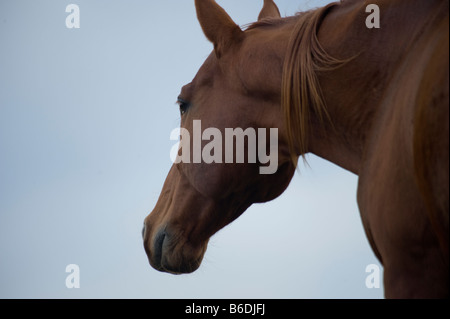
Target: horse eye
(184,105)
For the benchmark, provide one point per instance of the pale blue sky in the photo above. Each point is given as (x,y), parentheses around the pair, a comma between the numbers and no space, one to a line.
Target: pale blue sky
(85,122)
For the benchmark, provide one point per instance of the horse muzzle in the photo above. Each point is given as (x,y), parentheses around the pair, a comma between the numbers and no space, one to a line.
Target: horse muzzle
(169,252)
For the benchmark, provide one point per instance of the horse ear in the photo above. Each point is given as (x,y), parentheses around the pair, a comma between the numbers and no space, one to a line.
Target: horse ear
(217,25)
(269,10)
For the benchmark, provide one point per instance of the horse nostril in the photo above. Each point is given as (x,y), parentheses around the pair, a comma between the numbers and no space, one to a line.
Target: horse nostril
(143,232)
(158,246)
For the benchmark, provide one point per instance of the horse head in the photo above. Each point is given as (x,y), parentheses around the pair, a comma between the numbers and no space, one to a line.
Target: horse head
(238,86)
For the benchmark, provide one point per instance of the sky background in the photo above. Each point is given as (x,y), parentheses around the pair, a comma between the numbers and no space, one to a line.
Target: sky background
(85,122)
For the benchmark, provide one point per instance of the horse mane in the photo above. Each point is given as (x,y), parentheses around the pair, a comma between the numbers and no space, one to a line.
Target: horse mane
(265,22)
(301,92)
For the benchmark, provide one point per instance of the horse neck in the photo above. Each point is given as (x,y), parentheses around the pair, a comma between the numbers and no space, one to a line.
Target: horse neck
(353,92)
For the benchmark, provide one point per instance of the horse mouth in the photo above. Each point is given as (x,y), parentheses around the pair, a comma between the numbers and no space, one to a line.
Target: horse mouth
(171,255)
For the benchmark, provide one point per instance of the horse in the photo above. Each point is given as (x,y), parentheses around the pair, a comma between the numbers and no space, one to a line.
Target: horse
(374,101)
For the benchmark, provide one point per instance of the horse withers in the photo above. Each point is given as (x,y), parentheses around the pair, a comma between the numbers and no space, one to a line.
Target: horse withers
(372,100)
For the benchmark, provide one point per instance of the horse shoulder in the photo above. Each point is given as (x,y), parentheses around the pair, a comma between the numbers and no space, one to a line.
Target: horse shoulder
(403,187)
(431,134)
